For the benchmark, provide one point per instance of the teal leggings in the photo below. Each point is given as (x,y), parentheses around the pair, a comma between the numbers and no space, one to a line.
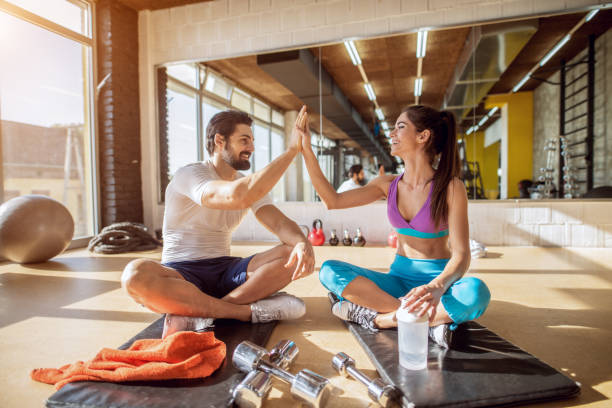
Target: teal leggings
(465,300)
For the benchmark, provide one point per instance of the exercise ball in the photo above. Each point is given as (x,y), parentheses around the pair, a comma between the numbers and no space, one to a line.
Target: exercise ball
(34,228)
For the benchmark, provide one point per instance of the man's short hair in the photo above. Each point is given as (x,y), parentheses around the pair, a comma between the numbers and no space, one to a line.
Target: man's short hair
(355,169)
(224,123)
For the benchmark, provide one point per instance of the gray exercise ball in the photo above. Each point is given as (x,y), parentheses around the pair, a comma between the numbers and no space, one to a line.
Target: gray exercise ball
(34,228)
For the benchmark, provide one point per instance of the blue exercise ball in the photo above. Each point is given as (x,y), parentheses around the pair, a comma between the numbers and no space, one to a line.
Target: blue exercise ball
(34,228)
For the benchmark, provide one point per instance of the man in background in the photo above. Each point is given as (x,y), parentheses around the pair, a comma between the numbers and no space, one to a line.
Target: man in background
(356,179)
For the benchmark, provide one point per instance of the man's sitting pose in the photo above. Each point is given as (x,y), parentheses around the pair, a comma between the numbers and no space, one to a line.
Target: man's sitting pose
(197,280)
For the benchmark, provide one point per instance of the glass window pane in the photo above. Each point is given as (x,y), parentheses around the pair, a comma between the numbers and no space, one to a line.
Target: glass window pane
(277,146)
(44,117)
(182,134)
(261,110)
(241,100)
(209,109)
(261,133)
(217,85)
(278,118)
(308,190)
(185,73)
(63,12)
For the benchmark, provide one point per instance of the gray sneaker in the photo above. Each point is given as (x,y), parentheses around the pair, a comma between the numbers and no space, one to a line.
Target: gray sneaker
(442,335)
(279,306)
(175,323)
(351,312)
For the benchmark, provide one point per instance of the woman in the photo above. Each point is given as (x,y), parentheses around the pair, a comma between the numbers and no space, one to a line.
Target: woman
(427,205)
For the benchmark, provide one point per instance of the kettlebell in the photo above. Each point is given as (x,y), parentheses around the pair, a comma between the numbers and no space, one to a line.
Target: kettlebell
(305,230)
(347,241)
(392,239)
(316,236)
(359,240)
(333,240)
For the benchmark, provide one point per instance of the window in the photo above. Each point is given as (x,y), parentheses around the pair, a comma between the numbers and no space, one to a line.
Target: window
(241,100)
(261,133)
(46,114)
(182,130)
(74,15)
(182,126)
(209,109)
(278,118)
(261,110)
(185,73)
(277,146)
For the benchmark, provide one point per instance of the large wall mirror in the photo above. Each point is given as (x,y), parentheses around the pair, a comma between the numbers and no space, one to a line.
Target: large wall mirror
(530,98)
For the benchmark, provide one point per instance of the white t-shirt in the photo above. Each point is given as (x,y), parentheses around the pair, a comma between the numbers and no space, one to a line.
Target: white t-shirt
(192,231)
(348,185)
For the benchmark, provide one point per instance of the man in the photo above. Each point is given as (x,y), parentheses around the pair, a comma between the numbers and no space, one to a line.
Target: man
(197,280)
(356,177)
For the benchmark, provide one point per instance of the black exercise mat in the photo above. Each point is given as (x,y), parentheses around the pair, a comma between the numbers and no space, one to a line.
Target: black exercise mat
(213,391)
(481,369)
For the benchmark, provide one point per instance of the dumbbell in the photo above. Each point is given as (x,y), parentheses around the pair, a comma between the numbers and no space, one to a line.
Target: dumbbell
(283,353)
(306,385)
(380,392)
(254,388)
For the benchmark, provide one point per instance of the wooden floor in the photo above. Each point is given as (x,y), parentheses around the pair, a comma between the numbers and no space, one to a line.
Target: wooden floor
(554,303)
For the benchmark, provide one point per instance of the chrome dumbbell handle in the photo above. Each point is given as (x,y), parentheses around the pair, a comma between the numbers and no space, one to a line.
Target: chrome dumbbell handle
(284,353)
(275,371)
(378,390)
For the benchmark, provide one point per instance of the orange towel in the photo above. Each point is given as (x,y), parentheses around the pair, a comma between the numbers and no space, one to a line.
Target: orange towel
(181,355)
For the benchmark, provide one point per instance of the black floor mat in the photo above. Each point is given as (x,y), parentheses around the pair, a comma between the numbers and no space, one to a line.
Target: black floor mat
(213,391)
(481,369)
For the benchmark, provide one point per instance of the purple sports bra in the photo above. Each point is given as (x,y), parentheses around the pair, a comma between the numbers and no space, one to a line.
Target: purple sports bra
(421,225)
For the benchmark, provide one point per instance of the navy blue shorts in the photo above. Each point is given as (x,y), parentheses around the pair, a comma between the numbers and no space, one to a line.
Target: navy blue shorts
(215,276)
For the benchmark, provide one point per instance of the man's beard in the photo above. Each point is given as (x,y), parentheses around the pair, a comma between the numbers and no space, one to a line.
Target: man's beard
(235,161)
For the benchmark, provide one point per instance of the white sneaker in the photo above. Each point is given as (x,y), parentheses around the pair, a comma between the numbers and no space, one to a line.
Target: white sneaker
(175,323)
(442,335)
(279,306)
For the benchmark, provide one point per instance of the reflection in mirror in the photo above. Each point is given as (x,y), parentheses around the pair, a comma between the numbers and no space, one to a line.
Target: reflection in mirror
(528,97)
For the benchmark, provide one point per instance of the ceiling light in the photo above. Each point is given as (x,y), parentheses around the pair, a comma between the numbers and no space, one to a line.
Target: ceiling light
(483,120)
(555,49)
(492,111)
(418,86)
(520,84)
(421,44)
(470,130)
(379,114)
(387,133)
(591,14)
(350,47)
(370,91)
(384,125)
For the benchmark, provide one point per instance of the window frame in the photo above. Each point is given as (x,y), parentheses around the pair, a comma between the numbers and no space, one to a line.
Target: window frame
(203,96)
(90,90)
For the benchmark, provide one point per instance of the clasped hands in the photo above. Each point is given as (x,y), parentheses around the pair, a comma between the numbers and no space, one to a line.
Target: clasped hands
(300,135)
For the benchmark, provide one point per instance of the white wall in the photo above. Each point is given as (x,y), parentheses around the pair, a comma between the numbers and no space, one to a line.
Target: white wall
(229,28)
(563,223)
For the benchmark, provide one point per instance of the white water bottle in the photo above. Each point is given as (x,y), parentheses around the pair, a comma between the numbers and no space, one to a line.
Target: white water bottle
(413,337)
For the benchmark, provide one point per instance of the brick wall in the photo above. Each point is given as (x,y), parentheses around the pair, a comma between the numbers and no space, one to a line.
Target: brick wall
(118,113)
(547,223)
